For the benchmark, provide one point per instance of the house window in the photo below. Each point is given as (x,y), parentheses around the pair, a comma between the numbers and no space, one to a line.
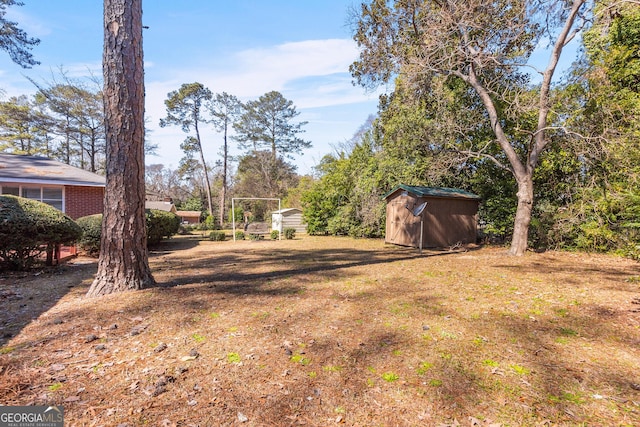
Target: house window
(50,195)
(14,191)
(32,193)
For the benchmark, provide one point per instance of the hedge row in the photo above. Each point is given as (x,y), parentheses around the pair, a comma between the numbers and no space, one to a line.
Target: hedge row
(91,231)
(29,228)
(160,224)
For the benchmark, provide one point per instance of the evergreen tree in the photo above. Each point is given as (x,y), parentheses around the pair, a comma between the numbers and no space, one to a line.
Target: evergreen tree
(267,124)
(186,107)
(267,131)
(225,110)
(15,41)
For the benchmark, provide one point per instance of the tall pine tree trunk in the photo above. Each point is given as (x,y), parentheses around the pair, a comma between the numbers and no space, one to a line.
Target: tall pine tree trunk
(123,263)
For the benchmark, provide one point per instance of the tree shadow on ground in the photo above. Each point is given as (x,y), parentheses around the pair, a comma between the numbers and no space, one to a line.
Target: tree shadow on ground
(26,295)
(575,274)
(170,246)
(247,272)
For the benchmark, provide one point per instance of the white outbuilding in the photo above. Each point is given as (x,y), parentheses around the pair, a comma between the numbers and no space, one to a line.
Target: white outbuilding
(288,218)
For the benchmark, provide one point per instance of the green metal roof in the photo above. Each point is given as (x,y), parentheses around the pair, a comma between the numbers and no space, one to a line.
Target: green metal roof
(444,192)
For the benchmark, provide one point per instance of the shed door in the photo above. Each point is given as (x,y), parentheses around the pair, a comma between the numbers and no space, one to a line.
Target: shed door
(402,227)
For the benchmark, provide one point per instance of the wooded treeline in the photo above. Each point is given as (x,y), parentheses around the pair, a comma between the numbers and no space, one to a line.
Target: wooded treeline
(264,129)
(464,113)
(65,121)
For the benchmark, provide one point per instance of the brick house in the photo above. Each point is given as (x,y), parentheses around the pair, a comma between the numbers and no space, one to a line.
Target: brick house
(74,191)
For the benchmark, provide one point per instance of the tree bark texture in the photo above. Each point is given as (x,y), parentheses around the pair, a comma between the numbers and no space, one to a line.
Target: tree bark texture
(523,215)
(123,263)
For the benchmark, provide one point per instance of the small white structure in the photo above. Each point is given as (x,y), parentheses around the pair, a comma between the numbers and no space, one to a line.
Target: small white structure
(288,218)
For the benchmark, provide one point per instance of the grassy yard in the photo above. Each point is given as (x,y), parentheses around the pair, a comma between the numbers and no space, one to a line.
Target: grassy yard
(321,331)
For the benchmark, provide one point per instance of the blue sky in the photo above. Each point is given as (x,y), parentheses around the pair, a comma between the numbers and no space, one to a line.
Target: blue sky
(301,48)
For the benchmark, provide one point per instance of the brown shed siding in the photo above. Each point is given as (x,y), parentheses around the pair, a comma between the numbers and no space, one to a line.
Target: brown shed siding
(447,221)
(83,201)
(450,221)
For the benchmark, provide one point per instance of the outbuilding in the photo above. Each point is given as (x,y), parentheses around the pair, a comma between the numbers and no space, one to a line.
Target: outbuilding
(444,217)
(189,217)
(288,218)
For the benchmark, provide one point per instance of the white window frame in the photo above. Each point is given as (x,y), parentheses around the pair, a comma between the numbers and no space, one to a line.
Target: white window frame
(21,188)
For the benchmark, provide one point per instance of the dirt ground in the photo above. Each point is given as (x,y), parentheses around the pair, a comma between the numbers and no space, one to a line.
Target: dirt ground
(322,331)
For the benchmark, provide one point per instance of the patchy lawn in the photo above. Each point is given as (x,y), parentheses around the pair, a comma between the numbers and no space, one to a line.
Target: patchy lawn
(324,331)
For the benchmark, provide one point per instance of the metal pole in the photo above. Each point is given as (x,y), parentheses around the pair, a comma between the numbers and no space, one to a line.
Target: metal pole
(281,221)
(233,218)
(421,230)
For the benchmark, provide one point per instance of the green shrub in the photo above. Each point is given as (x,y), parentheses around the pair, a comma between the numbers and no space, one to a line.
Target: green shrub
(254,236)
(275,234)
(631,251)
(217,236)
(91,230)
(239,235)
(239,215)
(289,233)
(186,229)
(29,228)
(209,223)
(161,224)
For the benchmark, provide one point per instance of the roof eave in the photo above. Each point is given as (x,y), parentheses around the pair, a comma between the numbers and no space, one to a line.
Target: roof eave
(51,182)
(412,190)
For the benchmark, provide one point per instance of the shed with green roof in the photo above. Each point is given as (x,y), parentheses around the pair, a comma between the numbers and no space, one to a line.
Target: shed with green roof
(444,217)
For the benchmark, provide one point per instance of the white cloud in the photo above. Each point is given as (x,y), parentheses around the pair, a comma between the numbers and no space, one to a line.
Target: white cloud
(253,72)
(301,59)
(313,74)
